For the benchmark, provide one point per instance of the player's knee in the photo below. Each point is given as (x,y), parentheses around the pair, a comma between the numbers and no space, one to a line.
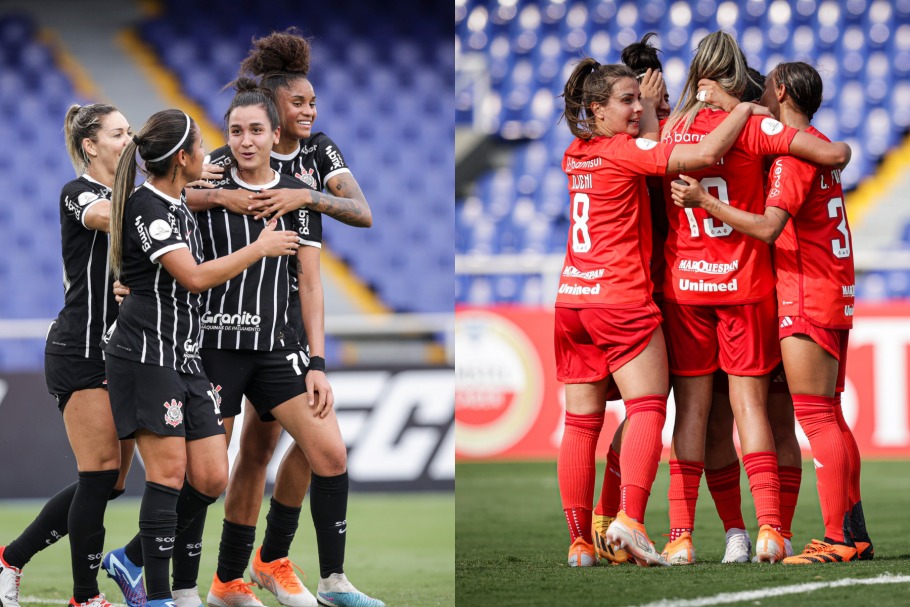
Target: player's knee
(332,462)
(213,482)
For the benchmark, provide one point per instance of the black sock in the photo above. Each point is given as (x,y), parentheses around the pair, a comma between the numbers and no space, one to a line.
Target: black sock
(49,526)
(191,507)
(235,550)
(329,507)
(133,550)
(857,522)
(279,532)
(157,528)
(115,494)
(86,527)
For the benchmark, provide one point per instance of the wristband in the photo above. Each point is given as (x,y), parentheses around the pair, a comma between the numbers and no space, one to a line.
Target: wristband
(317,363)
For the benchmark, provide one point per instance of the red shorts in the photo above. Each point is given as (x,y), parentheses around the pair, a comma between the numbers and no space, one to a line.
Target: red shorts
(740,339)
(833,341)
(592,343)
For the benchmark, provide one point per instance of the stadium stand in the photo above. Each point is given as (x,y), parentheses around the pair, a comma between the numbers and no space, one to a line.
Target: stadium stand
(514,57)
(378,76)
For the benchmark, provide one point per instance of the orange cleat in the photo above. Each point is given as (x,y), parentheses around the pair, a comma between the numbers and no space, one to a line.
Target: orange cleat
(769,546)
(581,553)
(605,550)
(278,577)
(822,552)
(235,593)
(680,551)
(629,535)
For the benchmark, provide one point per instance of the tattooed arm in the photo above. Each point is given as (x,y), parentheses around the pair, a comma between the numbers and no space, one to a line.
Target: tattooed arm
(346,203)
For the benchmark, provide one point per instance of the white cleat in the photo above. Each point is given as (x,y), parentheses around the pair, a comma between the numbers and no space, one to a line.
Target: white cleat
(337,591)
(739,546)
(187,597)
(9,582)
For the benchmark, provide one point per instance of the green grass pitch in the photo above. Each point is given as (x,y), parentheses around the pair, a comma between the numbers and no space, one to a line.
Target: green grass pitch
(511,545)
(400,548)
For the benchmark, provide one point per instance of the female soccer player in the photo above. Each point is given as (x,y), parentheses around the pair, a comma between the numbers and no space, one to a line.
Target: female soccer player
(606,321)
(720,302)
(159,392)
(96,134)
(814,268)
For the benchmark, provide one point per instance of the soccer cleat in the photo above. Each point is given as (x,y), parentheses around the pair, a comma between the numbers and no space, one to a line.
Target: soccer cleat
(278,577)
(161,603)
(822,552)
(680,551)
(769,545)
(788,547)
(95,601)
(739,546)
(603,548)
(187,597)
(581,553)
(235,593)
(9,582)
(126,575)
(337,591)
(864,549)
(631,536)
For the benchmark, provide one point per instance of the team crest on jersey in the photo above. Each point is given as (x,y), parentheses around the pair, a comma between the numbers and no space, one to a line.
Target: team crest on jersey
(645,144)
(307,178)
(771,126)
(174,415)
(160,229)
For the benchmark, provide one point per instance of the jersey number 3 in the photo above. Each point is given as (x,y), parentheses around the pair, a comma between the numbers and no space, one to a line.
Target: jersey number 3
(835,208)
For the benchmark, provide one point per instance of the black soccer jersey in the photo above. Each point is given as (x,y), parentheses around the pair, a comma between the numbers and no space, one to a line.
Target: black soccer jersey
(159,323)
(89,307)
(250,312)
(316,161)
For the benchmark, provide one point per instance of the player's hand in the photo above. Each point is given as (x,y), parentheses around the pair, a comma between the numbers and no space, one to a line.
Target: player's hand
(120,291)
(652,87)
(711,93)
(319,393)
(275,243)
(687,193)
(760,110)
(275,203)
(210,172)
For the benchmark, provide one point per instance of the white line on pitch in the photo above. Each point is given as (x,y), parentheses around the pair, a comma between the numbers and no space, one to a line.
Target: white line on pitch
(767,593)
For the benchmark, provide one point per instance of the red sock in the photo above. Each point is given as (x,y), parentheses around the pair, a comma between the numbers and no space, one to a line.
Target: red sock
(853,450)
(685,476)
(832,459)
(640,453)
(790,478)
(575,470)
(761,468)
(723,483)
(610,492)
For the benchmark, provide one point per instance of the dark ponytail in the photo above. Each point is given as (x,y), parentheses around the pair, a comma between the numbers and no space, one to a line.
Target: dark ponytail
(589,83)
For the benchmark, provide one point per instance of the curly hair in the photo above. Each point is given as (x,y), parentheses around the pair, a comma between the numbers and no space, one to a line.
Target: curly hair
(278,58)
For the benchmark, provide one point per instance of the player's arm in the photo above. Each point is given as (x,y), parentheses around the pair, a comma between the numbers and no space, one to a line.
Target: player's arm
(827,153)
(347,203)
(767,227)
(98,216)
(198,278)
(236,201)
(712,147)
(312,306)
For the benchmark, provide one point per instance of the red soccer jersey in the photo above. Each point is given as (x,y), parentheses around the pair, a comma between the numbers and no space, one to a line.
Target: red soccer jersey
(609,248)
(813,256)
(708,262)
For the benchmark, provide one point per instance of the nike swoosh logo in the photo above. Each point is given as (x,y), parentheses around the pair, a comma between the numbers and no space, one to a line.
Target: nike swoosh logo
(342,530)
(163,548)
(194,553)
(94,566)
(220,422)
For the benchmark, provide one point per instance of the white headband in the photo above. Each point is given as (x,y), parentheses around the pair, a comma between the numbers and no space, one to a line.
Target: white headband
(179,143)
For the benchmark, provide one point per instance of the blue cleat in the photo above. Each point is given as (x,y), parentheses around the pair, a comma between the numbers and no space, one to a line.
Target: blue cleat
(337,591)
(128,578)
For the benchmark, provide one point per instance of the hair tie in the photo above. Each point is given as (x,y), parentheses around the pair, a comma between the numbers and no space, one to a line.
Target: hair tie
(136,140)
(179,143)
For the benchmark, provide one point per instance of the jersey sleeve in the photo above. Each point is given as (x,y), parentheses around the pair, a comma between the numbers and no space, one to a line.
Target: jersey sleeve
(643,156)
(329,159)
(763,136)
(222,158)
(309,227)
(789,183)
(75,201)
(154,228)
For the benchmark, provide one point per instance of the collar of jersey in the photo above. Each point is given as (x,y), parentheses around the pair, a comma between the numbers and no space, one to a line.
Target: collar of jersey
(160,194)
(250,186)
(286,157)
(88,177)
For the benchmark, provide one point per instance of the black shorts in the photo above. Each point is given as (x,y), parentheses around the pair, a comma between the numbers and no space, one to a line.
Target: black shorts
(266,378)
(161,400)
(68,373)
